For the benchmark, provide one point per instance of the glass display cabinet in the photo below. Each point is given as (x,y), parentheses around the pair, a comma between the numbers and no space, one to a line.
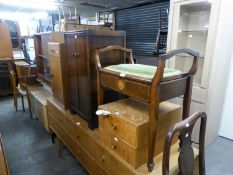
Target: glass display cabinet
(192,24)
(196,24)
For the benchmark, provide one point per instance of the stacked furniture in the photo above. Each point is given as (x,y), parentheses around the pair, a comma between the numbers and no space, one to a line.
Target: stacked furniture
(41,53)
(80,48)
(59,73)
(151,85)
(92,151)
(3,163)
(124,128)
(6,58)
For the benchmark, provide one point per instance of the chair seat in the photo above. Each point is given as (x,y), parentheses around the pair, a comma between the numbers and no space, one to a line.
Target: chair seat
(21,90)
(141,70)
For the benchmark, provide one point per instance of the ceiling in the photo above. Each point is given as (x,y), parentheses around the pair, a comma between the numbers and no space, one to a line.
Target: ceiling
(85,8)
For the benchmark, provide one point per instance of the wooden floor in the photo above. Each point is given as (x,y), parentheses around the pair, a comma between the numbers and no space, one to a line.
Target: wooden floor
(29,149)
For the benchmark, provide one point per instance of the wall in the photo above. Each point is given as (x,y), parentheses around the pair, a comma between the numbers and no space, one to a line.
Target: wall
(226,129)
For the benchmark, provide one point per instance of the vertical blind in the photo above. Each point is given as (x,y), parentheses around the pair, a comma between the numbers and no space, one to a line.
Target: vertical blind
(141,25)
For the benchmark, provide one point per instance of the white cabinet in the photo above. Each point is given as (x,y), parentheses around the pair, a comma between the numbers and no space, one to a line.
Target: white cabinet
(197,24)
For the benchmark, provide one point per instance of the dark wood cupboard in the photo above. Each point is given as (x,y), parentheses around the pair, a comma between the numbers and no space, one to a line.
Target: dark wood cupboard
(80,48)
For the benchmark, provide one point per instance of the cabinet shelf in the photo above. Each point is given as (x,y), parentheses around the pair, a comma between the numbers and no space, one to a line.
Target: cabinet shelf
(45,78)
(43,56)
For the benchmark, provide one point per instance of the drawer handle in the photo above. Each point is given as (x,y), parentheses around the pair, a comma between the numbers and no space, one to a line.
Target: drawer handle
(74,54)
(102,159)
(114,127)
(78,136)
(79,153)
(52,50)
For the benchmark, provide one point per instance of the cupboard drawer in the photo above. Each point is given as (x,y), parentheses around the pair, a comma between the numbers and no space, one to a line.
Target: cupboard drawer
(79,152)
(129,120)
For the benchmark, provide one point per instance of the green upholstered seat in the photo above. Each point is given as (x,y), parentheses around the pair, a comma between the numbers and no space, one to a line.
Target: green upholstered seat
(140,70)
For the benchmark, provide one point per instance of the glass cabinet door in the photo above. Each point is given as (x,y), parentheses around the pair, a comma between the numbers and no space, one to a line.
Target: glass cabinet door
(193,25)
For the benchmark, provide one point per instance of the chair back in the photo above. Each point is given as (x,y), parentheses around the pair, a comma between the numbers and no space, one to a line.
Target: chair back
(23,71)
(186,156)
(13,81)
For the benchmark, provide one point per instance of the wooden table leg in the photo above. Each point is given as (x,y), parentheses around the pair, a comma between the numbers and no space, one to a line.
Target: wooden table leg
(59,147)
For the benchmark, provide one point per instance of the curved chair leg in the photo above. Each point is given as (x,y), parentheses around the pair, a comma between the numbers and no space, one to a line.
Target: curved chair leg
(153,122)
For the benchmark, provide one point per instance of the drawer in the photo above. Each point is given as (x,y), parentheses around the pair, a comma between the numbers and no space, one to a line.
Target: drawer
(78,131)
(133,89)
(42,114)
(129,120)
(135,157)
(56,114)
(79,152)
(112,162)
(54,50)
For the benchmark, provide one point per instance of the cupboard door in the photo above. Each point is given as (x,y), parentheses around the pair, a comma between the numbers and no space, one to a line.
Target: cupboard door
(70,47)
(82,75)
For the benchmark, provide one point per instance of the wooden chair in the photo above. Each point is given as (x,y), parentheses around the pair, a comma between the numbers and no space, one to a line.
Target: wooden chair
(22,88)
(186,156)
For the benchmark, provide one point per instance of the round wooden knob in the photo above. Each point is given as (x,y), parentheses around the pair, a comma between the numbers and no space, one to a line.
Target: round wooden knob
(102,159)
(114,127)
(113,146)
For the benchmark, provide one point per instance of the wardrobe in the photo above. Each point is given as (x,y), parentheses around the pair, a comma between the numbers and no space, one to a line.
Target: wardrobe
(81,47)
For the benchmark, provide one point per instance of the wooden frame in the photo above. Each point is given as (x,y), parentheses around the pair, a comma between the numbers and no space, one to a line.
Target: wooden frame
(186,157)
(152,91)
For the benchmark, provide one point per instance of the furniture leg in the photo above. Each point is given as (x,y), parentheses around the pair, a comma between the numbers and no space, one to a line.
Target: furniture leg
(153,121)
(59,147)
(187,98)
(53,136)
(16,102)
(22,103)
(29,105)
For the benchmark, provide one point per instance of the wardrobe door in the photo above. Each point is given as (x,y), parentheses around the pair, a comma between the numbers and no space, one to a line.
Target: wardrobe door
(73,73)
(82,78)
